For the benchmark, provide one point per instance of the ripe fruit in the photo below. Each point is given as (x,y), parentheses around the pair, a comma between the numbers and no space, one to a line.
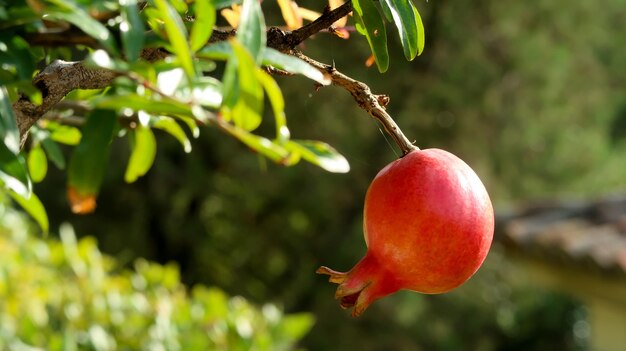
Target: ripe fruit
(428,224)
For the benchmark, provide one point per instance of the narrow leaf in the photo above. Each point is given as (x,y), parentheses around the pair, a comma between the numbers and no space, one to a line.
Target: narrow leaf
(220,4)
(170,126)
(386,11)
(217,51)
(275,97)
(16,52)
(132,29)
(370,24)
(142,157)
(13,172)
(248,105)
(177,35)
(88,161)
(54,152)
(37,164)
(33,206)
(145,103)
(421,33)
(203,24)
(404,17)
(293,64)
(320,154)
(207,91)
(63,134)
(251,30)
(264,146)
(8,128)
(81,19)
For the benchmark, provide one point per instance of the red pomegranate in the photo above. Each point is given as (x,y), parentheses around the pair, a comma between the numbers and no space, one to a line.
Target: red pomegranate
(428,224)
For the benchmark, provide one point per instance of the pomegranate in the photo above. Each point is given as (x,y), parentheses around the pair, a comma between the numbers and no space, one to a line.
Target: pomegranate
(428,225)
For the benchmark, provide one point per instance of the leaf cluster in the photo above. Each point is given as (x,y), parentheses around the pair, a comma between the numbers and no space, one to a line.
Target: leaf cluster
(66,295)
(186,89)
(198,81)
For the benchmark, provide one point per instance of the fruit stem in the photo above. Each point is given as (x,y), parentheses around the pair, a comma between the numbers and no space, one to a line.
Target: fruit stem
(391,127)
(362,94)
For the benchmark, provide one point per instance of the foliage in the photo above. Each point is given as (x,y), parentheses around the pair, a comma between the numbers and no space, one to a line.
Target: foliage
(187,87)
(67,295)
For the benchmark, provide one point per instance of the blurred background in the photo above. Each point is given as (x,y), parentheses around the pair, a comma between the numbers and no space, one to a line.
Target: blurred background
(532,95)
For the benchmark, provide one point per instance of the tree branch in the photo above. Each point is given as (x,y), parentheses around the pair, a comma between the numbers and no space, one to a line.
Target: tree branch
(287,40)
(61,77)
(54,82)
(362,94)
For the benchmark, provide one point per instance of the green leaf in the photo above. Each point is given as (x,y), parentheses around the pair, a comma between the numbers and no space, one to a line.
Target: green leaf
(207,91)
(145,103)
(179,5)
(421,33)
(220,4)
(132,29)
(320,154)
(230,84)
(203,24)
(37,164)
(277,101)
(54,152)
(81,19)
(33,206)
(251,30)
(142,157)
(272,57)
(248,106)
(386,11)
(370,24)
(405,19)
(177,35)
(264,146)
(89,159)
(13,172)
(192,125)
(16,53)
(63,134)
(222,50)
(19,15)
(170,126)
(8,128)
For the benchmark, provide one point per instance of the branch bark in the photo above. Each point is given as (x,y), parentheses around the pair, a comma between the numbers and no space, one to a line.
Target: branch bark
(54,82)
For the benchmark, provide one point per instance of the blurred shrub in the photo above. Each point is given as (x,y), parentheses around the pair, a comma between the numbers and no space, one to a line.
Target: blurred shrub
(67,295)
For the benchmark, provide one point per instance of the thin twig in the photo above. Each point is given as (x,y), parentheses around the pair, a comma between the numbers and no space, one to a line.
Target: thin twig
(325,21)
(362,94)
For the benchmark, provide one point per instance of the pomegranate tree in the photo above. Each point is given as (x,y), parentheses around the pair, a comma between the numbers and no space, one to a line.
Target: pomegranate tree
(428,225)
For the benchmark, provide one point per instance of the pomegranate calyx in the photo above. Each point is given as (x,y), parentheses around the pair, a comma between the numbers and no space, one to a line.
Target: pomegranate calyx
(362,285)
(335,276)
(347,297)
